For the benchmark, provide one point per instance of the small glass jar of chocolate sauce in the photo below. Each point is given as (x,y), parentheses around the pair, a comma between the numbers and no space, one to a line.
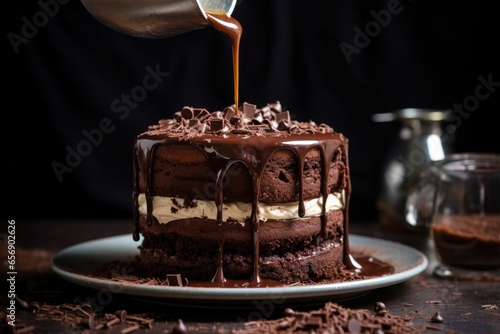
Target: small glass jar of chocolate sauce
(458,199)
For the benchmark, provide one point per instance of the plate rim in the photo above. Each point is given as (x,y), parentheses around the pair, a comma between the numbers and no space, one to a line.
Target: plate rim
(236,294)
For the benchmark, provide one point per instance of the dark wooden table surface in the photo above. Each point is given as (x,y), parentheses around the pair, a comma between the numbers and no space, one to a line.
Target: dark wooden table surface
(466,306)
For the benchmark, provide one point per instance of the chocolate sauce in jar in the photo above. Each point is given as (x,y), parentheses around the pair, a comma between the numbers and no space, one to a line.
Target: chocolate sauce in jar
(468,241)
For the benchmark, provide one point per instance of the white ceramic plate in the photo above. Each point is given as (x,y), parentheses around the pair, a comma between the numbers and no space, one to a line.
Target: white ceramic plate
(76,262)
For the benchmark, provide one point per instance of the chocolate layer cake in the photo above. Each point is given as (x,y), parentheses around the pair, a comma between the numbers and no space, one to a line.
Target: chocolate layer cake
(242,195)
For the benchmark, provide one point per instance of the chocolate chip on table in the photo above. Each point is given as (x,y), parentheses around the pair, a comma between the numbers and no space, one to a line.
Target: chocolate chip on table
(288,312)
(34,307)
(437,318)
(179,328)
(380,308)
(121,314)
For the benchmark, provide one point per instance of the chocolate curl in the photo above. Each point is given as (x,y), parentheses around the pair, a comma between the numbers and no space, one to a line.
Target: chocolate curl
(276,107)
(249,110)
(121,314)
(200,112)
(174,279)
(187,113)
(178,116)
(229,113)
(283,116)
(284,125)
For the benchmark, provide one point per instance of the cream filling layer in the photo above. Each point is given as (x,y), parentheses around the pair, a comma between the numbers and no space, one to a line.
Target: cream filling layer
(166,209)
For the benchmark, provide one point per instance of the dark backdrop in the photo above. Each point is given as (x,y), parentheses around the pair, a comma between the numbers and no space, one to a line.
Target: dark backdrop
(63,76)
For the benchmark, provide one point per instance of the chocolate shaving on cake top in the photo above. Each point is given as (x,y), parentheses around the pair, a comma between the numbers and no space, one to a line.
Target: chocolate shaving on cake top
(272,119)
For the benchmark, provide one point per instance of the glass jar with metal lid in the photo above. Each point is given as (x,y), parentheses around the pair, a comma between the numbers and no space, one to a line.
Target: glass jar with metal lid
(423,138)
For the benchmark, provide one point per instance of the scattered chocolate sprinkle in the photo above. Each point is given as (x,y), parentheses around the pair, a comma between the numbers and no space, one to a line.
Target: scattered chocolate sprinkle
(332,318)
(489,307)
(24,330)
(437,318)
(81,310)
(82,318)
(354,326)
(112,322)
(433,328)
(130,329)
(192,122)
(434,302)
(87,322)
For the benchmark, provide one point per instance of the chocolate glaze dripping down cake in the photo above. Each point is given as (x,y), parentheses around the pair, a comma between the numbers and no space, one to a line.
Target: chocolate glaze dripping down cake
(253,158)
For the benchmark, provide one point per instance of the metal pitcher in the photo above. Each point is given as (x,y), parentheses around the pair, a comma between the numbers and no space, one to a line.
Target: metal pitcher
(156,18)
(422,140)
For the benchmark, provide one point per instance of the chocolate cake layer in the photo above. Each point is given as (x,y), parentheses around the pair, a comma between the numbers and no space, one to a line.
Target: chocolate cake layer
(276,236)
(290,251)
(183,171)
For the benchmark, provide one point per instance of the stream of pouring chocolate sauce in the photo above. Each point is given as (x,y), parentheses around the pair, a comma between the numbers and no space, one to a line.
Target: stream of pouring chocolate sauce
(232,28)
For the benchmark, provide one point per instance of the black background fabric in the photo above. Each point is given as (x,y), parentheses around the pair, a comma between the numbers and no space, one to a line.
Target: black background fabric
(62,81)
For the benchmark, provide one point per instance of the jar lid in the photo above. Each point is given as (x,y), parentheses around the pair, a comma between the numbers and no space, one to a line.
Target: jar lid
(423,114)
